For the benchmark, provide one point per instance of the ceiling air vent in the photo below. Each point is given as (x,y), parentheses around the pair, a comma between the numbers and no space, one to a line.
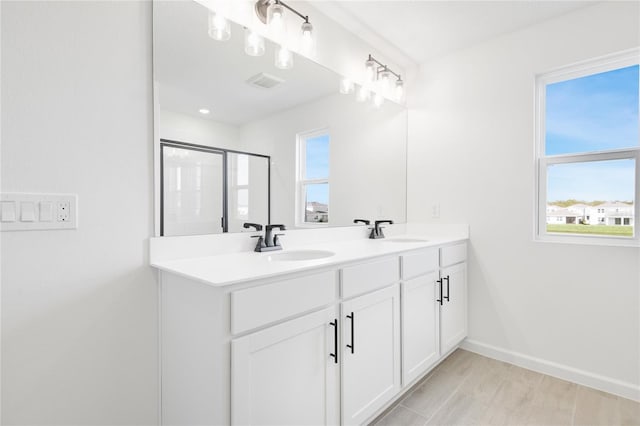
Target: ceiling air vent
(264,81)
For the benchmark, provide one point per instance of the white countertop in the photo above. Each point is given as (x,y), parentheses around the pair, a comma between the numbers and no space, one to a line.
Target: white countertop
(239,267)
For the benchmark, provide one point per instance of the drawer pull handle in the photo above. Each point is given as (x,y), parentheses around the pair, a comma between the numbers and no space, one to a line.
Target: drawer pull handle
(440,299)
(334,324)
(352,318)
(448,292)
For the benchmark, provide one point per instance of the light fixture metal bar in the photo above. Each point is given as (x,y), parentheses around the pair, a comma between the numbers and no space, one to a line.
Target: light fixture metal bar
(262,5)
(384,67)
(304,17)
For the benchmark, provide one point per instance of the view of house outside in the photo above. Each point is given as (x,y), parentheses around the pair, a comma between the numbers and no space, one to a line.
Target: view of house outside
(316,176)
(592,114)
(599,218)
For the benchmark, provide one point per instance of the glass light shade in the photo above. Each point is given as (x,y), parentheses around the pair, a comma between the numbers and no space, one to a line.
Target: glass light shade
(219,27)
(346,86)
(275,21)
(284,58)
(378,100)
(253,43)
(385,79)
(307,41)
(399,90)
(369,71)
(363,94)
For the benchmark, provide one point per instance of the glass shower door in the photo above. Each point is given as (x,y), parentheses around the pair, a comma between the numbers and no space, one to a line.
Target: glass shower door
(192,191)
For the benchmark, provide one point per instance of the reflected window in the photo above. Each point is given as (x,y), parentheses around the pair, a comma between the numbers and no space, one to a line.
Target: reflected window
(312,203)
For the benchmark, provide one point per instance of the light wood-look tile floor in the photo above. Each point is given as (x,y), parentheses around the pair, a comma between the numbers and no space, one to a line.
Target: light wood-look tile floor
(469,389)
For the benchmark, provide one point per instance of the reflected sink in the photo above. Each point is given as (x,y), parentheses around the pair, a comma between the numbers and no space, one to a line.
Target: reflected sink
(297,255)
(405,240)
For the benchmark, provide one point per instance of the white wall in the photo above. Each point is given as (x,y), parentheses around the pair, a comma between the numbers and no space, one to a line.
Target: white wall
(471,130)
(367,157)
(79,308)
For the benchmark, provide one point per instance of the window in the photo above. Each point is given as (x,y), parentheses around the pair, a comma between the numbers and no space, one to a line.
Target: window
(588,152)
(312,200)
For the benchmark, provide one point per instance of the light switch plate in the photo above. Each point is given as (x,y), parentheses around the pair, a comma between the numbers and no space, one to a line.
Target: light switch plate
(39,211)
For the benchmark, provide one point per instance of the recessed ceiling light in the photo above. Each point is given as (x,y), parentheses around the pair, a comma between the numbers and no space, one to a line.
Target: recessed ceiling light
(204,111)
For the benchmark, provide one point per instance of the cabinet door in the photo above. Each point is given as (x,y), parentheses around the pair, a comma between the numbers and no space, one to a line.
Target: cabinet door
(419,326)
(285,375)
(371,353)
(453,312)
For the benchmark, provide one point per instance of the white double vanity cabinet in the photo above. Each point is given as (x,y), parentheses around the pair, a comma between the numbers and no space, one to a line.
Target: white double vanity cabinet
(332,344)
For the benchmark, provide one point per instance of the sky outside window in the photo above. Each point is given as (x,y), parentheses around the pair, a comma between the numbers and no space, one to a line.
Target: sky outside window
(593,113)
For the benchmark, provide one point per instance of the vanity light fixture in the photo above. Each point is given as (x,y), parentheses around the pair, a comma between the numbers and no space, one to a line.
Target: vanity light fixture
(271,12)
(219,27)
(377,71)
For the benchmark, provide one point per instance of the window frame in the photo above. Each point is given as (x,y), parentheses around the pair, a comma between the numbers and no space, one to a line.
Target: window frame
(542,161)
(301,182)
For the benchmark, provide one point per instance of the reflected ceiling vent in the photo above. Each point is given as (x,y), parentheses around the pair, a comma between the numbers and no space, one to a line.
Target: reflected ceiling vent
(264,81)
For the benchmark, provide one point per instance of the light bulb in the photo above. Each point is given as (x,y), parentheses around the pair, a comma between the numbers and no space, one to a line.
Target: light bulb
(363,94)
(204,111)
(346,86)
(369,71)
(307,43)
(284,58)
(399,92)
(378,100)
(253,43)
(219,27)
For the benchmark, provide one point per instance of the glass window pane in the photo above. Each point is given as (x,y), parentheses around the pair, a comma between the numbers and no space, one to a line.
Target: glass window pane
(593,113)
(317,157)
(594,198)
(316,203)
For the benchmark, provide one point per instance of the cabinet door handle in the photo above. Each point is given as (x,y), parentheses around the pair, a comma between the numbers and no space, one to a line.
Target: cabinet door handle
(352,318)
(334,324)
(447,296)
(440,283)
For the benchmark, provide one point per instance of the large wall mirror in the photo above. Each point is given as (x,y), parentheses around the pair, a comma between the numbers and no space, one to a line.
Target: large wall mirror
(240,140)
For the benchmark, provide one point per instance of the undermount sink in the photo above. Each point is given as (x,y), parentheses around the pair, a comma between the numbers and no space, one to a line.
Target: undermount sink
(297,255)
(405,240)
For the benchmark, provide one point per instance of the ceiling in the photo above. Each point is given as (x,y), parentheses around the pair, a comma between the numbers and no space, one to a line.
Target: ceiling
(420,31)
(193,71)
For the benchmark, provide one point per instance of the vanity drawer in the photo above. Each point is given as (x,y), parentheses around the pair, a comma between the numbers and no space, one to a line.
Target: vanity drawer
(453,254)
(419,263)
(369,276)
(257,306)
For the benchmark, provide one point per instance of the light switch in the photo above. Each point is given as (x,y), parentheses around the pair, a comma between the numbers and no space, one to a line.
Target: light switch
(46,211)
(8,211)
(27,211)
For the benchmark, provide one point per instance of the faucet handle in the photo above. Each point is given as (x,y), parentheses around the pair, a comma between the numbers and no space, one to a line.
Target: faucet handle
(276,240)
(365,221)
(248,225)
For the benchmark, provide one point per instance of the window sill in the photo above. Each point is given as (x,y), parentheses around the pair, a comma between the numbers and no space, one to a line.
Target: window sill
(588,240)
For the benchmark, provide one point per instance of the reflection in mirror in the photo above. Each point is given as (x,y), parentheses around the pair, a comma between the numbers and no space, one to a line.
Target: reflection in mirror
(332,159)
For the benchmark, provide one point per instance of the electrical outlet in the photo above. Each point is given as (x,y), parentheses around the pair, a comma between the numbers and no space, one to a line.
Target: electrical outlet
(64,211)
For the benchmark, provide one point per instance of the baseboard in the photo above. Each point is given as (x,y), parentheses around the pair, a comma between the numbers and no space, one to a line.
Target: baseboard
(581,377)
